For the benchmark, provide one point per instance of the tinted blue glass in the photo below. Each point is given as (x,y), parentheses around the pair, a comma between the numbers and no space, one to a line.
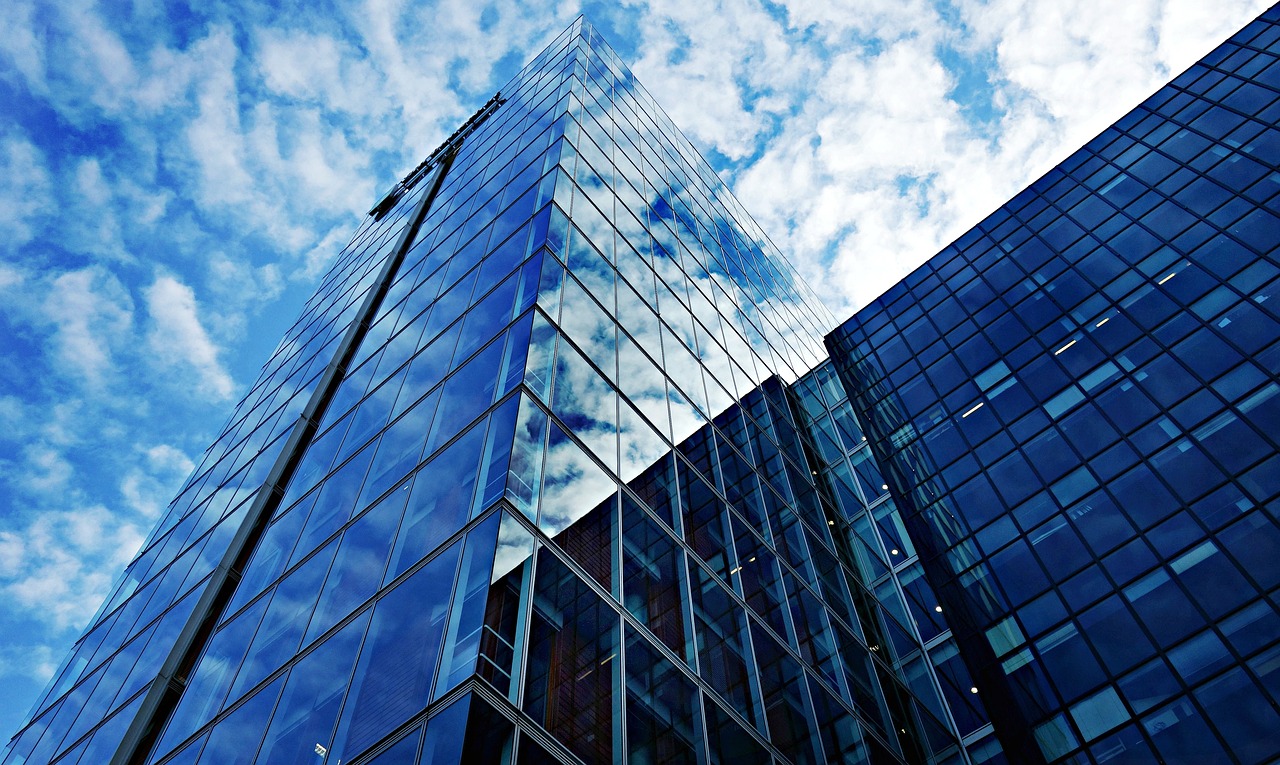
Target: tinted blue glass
(393,676)
(285,620)
(303,723)
(1142,453)
(236,738)
(663,721)
(438,503)
(212,677)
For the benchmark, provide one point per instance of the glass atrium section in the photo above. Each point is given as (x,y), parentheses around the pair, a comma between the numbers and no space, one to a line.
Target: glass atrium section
(897,603)
(1077,405)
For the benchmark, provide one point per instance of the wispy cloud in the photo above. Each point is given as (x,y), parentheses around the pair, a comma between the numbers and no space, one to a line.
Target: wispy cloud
(884,150)
(24,190)
(147,486)
(90,310)
(178,339)
(55,564)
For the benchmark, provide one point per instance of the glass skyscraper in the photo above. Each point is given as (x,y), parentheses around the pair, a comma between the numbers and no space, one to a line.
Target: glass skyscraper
(1076,408)
(555,468)
(525,481)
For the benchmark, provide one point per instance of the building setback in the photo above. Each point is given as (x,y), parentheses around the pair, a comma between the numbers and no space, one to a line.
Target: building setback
(555,467)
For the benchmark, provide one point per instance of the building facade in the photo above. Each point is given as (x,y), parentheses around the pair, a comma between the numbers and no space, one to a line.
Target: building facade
(525,482)
(1076,406)
(554,467)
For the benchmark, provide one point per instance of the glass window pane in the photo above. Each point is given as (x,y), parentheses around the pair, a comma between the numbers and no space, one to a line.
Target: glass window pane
(439,502)
(203,696)
(1243,715)
(358,566)
(728,742)
(235,740)
(571,678)
(303,724)
(393,677)
(662,711)
(287,615)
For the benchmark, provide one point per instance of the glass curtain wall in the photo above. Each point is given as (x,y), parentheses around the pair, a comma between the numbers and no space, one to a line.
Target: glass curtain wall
(525,483)
(1077,407)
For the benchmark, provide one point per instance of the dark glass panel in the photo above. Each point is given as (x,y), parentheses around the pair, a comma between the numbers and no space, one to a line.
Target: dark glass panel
(657,487)
(705,519)
(663,719)
(1252,628)
(728,743)
(963,697)
(760,578)
(1163,608)
(723,654)
(571,676)
(1181,736)
(782,685)
(1115,633)
(653,578)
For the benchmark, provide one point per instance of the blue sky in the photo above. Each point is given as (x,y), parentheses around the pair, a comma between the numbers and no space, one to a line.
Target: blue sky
(174,178)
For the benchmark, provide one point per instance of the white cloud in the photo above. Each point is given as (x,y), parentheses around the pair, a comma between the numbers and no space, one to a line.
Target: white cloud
(91,313)
(148,487)
(37,662)
(98,56)
(881,167)
(321,70)
(46,469)
(20,45)
(841,22)
(321,256)
(237,284)
(214,135)
(178,339)
(274,165)
(55,566)
(10,276)
(25,199)
(92,226)
(725,78)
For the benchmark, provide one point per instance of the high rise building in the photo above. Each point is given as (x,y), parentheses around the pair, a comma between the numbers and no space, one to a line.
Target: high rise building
(524,480)
(554,467)
(1076,406)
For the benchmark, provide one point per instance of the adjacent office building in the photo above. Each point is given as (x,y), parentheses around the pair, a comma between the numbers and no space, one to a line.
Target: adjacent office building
(1076,406)
(555,467)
